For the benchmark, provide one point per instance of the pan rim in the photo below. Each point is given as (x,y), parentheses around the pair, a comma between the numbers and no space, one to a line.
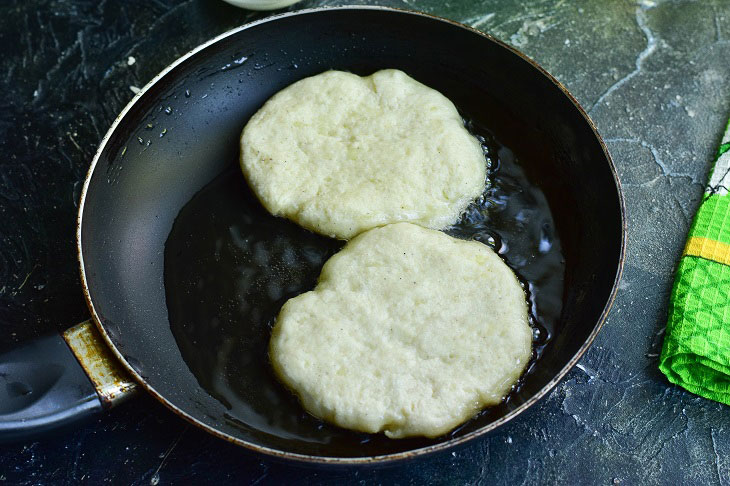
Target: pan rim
(360,460)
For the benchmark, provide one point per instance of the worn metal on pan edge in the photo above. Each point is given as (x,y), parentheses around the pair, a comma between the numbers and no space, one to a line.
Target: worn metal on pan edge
(112,382)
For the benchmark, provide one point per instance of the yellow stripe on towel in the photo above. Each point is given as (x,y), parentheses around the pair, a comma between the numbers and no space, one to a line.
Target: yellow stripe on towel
(708,249)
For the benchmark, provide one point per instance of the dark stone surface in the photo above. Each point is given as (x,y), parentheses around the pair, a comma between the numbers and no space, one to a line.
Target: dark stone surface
(655,77)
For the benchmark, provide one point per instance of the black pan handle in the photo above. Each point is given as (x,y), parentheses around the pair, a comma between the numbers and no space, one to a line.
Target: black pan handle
(56,381)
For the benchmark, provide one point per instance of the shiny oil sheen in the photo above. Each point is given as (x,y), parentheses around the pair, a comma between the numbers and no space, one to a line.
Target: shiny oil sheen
(230,266)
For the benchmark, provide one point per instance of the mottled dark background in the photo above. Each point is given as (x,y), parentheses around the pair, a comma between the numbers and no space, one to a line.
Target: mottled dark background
(655,76)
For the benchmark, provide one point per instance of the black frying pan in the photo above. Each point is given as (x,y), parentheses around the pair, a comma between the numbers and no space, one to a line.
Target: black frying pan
(184,271)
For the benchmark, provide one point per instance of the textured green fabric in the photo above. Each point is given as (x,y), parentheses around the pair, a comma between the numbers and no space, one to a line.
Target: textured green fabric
(696,351)
(713,219)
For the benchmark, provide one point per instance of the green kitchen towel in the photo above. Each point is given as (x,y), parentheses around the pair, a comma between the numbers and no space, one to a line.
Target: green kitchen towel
(696,351)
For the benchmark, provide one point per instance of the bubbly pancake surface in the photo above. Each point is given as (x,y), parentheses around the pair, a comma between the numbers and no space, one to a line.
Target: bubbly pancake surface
(409,332)
(339,154)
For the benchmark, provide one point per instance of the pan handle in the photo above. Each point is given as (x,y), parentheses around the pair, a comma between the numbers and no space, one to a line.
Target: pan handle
(55,381)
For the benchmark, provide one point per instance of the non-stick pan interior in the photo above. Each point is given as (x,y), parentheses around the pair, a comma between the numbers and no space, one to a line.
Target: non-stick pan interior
(182,135)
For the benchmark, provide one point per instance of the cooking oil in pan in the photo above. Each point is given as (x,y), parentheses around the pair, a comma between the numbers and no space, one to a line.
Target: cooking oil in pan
(230,266)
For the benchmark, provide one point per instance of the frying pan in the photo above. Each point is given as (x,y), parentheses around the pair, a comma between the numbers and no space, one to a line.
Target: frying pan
(170,237)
